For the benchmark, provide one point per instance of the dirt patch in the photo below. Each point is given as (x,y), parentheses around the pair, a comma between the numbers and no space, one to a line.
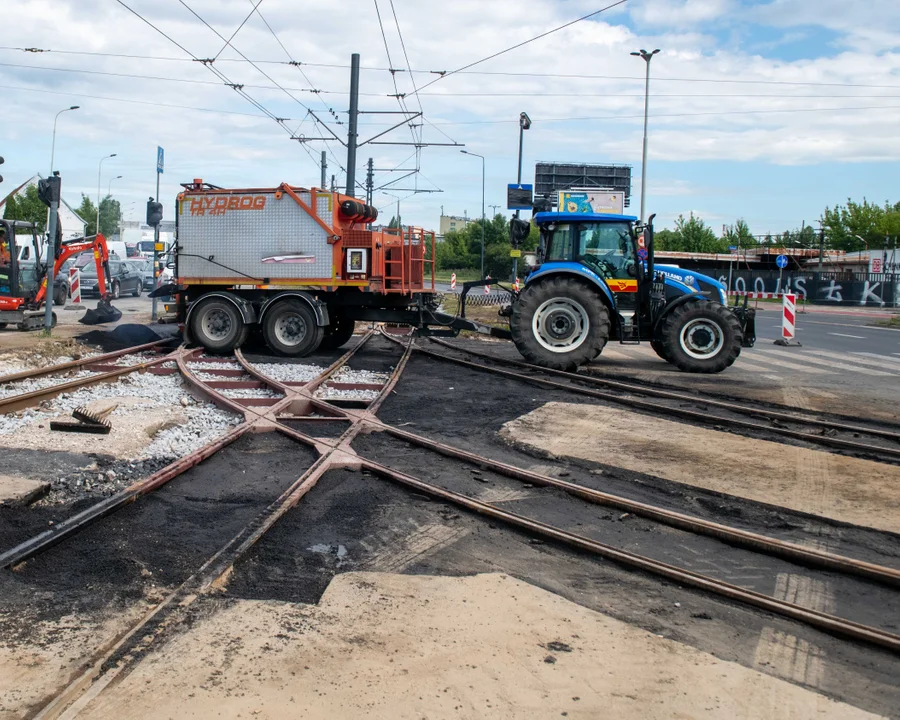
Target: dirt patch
(855,491)
(42,353)
(391,646)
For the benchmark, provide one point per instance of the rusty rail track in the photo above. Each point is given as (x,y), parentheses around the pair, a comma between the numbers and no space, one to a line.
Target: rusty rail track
(881,453)
(298,402)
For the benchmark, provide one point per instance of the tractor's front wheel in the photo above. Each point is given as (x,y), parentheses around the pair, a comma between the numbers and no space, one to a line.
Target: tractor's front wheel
(701,337)
(560,323)
(660,349)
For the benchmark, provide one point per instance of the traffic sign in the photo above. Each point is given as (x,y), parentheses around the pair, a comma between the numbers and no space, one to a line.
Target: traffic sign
(160,159)
(732,248)
(519,197)
(781,261)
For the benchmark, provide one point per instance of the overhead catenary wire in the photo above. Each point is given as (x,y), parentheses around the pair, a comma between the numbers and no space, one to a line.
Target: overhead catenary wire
(574,76)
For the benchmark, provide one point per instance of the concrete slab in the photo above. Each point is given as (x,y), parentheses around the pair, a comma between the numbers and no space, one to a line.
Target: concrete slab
(20,491)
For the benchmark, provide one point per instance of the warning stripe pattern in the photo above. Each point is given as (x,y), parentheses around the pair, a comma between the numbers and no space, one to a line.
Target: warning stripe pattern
(789,316)
(75,284)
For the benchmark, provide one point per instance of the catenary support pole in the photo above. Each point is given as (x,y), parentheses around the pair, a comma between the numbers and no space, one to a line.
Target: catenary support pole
(324,169)
(49,277)
(156,273)
(352,125)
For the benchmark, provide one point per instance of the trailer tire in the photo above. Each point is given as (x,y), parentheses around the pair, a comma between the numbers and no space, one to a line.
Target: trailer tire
(290,328)
(702,337)
(560,323)
(218,325)
(338,332)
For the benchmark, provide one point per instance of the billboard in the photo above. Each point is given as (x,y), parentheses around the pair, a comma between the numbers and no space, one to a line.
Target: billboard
(884,261)
(590,201)
(550,178)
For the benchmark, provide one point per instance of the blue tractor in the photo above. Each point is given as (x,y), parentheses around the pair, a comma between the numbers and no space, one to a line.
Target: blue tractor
(594,279)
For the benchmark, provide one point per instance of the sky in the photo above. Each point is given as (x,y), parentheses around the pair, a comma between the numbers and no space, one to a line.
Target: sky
(767,111)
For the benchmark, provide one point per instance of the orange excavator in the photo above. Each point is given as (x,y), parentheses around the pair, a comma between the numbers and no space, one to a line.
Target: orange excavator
(26,271)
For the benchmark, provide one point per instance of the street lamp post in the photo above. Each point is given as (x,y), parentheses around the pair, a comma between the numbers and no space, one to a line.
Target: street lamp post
(109,185)
(399,221)
(99,170)
(524,124)
(466,152)
(647,56)
(53,144)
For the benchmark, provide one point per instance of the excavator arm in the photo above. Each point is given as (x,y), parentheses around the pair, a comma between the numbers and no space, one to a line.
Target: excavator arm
(96,245)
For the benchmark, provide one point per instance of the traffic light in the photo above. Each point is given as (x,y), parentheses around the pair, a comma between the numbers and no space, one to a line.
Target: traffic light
(48,190)
(154,212)
(1,162)
(518,231)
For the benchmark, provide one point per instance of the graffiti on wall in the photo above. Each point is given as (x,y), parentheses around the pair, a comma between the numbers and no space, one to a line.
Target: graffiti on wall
(878,290)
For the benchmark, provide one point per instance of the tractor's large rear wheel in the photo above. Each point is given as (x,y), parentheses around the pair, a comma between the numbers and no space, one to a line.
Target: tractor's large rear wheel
(560,323)
(701,337)
(660,349)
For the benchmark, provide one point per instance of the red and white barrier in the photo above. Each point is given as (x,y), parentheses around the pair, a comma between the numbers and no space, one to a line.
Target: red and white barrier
(789,316)
(75,284)
(453,281)
(487,288)
(516,285)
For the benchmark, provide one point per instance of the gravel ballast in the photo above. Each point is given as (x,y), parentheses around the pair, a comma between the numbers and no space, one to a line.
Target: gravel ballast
(287,372)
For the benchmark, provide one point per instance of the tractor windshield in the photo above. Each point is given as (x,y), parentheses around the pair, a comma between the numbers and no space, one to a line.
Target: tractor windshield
(605,247)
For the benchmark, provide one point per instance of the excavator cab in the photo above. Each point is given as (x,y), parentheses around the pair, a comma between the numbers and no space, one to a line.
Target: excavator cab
(21,269)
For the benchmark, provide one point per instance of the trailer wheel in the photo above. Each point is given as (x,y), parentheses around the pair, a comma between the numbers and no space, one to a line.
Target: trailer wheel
(702,337)
(559,323)
(290,328)
(218,326)
(338,332)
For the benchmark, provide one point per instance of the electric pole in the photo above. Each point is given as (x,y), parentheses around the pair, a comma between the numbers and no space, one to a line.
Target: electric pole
(370,180)
(352,134)
(494,208)
(324,168)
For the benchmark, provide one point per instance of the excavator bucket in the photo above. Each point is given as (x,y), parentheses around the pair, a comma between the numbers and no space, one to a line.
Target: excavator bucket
(104,313)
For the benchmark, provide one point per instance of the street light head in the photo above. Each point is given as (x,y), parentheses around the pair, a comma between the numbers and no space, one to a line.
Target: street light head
(464,152)
(643,52)
(117,177)
(74,107)
(524,121)
(655,51)
(113,155)
(636,54)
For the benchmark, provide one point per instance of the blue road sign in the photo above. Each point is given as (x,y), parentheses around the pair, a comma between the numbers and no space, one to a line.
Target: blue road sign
(519,197)
(732,248)
(781,261)
(159,159)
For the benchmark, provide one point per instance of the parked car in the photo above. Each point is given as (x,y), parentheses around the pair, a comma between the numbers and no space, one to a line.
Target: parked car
(144,268)
(124,279)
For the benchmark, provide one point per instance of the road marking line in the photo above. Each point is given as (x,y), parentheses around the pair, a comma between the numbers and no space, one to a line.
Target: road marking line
(788,365)
(855,337)
(867,327)
(876,355)
(830,359)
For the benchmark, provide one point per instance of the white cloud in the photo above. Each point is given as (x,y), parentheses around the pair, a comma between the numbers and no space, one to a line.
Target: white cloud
(237,149)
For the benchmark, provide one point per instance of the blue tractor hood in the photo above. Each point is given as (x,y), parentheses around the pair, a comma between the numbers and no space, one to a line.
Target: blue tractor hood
(694,280)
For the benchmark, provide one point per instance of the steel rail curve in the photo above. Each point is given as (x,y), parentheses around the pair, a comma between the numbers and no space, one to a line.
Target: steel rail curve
(814,618)
(875,452)
(652,391)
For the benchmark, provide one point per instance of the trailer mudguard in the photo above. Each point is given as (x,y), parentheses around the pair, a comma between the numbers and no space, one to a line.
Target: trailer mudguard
(572,268)
(320,310)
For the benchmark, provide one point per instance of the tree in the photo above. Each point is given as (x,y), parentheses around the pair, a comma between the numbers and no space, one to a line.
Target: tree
(739,235)
(110,212)
(394,223)
(87,211)
(697,236)
(27,207)
(843,223)
(665,239)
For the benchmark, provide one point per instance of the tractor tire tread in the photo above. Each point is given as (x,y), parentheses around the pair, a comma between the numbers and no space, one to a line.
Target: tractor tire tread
(555,286)
(684,362)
